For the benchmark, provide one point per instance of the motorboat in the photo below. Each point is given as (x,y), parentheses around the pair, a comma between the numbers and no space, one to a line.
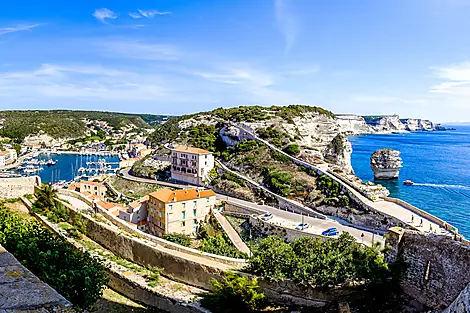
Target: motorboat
(408,183)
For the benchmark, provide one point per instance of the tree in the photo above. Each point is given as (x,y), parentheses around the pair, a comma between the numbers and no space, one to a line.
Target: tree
(45,197)
(292,149)
(234,293)
(180,239)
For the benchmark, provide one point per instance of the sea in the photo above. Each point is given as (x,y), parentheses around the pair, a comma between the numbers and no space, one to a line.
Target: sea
(437,162)
(68,165)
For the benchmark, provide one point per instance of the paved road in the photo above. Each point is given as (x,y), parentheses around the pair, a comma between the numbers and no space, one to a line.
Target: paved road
(393,209)
(76,203)
(317,225)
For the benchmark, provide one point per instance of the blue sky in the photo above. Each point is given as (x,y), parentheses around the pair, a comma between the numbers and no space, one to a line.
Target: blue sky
(409,57)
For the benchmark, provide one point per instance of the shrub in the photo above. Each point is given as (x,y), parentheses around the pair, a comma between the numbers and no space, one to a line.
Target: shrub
(77,276)
(292,149)
(319,263)
(234,293)
(219,245)
(180,239)
(280,157)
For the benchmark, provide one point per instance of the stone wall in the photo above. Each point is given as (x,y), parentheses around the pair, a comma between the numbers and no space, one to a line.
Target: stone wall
(288,234)
(436,267)
(21,291)
(18,186)
(461,304)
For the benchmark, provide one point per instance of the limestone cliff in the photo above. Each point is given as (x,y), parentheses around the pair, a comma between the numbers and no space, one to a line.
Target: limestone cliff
(386,164)
(353,125)
(385,124)
(418,124)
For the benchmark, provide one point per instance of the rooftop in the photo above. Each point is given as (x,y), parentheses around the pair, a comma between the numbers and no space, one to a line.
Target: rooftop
(93,183)
(190,150)
(168,196)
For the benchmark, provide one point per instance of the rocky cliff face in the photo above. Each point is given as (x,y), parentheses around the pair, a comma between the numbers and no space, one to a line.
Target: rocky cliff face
(461,304)
(353,125)
(418,124)
(386,164)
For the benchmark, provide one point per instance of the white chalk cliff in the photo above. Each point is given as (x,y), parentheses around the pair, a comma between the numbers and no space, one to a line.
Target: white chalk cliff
(386,163)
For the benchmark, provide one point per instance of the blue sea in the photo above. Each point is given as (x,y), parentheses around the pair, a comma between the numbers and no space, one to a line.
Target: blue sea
(439,164)
(68,165)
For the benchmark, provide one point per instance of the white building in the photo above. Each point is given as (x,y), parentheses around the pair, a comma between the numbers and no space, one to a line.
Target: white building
(136,211)
(191,165)
(7,156)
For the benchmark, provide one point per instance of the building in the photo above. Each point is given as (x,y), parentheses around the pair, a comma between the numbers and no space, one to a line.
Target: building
(95,188)
(7,156)
(136,211)
(191,165)
(179,211)
(111,207)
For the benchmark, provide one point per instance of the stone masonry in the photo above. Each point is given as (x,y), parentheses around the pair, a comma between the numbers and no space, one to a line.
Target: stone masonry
(21,291)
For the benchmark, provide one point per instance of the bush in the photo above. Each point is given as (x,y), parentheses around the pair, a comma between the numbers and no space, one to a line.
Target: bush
(235,294)
(219,245)
(319,263)
(292,149)
(180,239)
(333,191)
(280,157)
(277,181)
(77,276)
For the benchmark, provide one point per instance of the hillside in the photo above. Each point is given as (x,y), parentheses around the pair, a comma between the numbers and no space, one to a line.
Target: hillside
(67,124)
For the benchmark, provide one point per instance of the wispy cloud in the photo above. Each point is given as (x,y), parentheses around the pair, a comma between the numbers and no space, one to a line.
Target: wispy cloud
(141,50)
(19,28)
(147,13)
(376,99)
(103,14)
(287,22)
(456,79)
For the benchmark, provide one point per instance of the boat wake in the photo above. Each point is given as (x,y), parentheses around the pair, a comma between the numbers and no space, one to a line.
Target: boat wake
(444,186)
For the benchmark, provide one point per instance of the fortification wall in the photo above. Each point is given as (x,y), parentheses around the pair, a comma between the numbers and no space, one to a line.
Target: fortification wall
(436,267)
(16,187)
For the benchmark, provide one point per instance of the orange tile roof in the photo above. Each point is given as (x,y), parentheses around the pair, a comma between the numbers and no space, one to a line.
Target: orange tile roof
(85,193)
(4,152)
(190,150)
(73,186)
(166,195)
(110,205)
(135,204)
(93,183)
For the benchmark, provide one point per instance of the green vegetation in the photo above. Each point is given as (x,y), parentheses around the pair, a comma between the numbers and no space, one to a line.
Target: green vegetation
(318,263)
(77,276)
(62,123)
(180,239)
(278,181)
(337,144)
(204,137)
(292,149)
(134,190)
(138,169)
(242,113)
(332,190)
(235,294)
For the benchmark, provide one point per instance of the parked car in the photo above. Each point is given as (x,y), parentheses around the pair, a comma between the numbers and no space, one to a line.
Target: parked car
(330,232)
(267,216)
(302,226)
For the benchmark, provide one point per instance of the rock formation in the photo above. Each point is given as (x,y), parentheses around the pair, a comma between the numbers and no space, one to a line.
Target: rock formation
(461,304)
(386,163)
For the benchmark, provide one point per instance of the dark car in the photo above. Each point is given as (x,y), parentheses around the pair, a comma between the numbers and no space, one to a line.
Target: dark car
(330,232)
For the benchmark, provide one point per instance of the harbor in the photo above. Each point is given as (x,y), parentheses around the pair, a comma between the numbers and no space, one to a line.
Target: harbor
(64,168)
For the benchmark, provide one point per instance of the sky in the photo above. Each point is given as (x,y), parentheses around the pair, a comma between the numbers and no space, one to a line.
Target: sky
(406,57)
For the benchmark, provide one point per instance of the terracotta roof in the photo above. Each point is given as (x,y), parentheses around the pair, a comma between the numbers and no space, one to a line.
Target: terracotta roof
(93,197)
(4,152)
(110,205)
(93,183)
(85,193)
(166,195)
(135,204)
(73,186)
(190,150)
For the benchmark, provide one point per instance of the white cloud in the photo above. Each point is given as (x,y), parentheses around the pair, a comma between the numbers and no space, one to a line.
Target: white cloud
(395,100)
(147,14)
(141,50)
(103,14)
(152,13)
(287,22)
(456,79)
(19,28)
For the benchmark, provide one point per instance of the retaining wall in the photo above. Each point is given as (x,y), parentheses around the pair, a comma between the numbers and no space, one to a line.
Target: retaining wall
(16,187)
(436,267)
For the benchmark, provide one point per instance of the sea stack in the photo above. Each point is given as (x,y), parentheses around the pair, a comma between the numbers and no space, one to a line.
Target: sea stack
(386,164)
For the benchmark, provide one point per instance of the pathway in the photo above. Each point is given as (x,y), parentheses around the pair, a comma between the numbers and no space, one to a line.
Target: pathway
(232,233)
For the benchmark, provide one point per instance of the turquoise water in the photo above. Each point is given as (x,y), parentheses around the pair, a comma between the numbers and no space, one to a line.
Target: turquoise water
(68,165)
(438,163)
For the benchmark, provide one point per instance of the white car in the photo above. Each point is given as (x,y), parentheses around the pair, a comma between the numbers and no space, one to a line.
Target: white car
(302,226)
(267,216)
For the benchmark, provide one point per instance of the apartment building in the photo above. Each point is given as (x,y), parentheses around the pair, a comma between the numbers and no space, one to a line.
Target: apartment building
(191,165)
(178,211)
(136,211)
(94,188)
(7,156)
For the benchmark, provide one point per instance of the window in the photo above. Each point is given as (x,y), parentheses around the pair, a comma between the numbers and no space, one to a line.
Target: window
(160,205)
(205,163)
(160,214)
(194,212)
(207,200)
(155,211)
(183,224)
(153,219)
(183,205)
(160,224)
(170,207)
(183,214)
(194,203)
(194,221)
